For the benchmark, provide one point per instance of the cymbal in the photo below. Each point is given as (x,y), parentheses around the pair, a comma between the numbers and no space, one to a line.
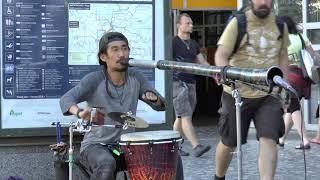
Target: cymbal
(128,119)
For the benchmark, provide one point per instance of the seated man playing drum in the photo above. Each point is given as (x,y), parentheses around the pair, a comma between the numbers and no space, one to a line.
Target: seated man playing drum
(113,89)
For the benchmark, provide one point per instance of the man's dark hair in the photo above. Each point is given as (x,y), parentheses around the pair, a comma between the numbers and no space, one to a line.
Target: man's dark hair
(103,47)
(181,15)
(106,39)
(292,26)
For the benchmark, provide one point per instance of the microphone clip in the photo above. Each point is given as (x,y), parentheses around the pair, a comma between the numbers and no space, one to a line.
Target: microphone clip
(223,74)
(272,85)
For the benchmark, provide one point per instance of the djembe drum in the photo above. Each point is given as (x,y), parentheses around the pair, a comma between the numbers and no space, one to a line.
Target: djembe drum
(151,155)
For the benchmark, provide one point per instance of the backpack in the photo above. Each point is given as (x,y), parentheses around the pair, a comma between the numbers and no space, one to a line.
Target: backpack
(242,27)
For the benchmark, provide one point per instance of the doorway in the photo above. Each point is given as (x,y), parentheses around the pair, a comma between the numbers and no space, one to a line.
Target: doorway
(208,27)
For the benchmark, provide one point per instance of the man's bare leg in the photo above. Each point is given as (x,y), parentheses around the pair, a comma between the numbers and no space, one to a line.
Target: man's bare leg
(317,138)
(223,158)
(188,130)
(177,126)
(288,125)
(298,121)
(268,155)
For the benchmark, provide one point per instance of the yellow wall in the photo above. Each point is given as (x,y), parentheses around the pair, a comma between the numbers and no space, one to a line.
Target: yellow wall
(204,4)
(177,4)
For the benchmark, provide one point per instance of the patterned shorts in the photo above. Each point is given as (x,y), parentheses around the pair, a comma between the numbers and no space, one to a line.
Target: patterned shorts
(184,98)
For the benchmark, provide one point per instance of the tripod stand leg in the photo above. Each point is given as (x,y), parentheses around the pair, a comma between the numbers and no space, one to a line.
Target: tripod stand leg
(70,152)
(236,95)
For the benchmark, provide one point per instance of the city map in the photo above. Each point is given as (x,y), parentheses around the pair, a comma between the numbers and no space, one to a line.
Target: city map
(89,21)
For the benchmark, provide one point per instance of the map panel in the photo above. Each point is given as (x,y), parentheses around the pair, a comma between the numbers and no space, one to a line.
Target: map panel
(133,20)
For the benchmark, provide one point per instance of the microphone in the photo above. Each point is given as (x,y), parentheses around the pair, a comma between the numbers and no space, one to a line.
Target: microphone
(279,81)
(125,61)
(139,63)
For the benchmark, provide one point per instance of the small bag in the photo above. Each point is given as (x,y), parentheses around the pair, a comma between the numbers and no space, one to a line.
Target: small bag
(309,69)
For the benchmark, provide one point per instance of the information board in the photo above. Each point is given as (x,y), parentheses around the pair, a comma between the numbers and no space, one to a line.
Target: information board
(49,45)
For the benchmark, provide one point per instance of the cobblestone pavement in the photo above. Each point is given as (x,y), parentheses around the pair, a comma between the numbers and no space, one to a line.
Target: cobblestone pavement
(290,160)
(36,162)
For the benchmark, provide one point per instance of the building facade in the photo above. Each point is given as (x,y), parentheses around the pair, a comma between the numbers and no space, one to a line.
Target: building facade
(210,19)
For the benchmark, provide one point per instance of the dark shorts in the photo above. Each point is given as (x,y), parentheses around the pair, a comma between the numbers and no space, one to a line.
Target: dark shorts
(294,104)
(266,113)
(184,98)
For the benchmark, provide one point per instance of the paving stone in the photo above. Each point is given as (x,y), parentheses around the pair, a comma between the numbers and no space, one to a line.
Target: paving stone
(36,162)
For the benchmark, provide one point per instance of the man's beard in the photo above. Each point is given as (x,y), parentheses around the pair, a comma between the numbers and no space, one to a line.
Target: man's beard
(124,69)
(262,12)
(125,64)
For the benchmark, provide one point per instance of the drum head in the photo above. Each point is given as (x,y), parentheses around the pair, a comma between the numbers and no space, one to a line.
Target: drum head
(150,136)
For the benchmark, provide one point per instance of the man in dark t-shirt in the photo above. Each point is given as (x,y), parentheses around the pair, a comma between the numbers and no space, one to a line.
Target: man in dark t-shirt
(185,51)
(184,85)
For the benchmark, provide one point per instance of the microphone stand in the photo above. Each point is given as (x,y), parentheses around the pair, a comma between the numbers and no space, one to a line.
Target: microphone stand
(238,103)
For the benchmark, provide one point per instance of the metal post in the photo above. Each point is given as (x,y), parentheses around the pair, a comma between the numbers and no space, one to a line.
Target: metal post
(70,152)
(238,103)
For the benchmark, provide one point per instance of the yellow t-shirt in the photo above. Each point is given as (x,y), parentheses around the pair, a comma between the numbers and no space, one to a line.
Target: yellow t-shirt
(261,51)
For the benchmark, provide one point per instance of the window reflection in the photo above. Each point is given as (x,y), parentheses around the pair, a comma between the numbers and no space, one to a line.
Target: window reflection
(314,35)
(291,8)
(313,10)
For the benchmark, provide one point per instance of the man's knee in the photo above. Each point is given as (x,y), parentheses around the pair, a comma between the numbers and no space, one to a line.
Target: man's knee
(103,174)
(106,164)
(267,141)
(227,146)
(103,165)
(104,170)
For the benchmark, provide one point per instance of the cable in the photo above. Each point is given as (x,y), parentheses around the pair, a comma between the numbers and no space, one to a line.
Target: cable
(302,142)
(301,129)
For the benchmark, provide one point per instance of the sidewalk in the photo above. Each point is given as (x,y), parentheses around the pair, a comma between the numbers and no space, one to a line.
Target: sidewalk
(35,162)
(290,160)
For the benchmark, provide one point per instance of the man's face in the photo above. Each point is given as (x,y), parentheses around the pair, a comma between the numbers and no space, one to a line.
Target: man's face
(261,8)
(185,25)
(117,51)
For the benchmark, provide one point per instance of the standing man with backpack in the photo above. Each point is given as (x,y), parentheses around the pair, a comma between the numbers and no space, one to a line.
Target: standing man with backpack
(263,45)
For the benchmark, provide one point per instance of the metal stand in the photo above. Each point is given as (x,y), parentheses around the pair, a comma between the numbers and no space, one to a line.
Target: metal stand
(70,151)
(82,126)
(238,103)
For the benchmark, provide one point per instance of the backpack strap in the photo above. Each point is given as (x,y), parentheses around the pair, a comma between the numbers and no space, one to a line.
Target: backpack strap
(302,41)
(280,23)
(242,30)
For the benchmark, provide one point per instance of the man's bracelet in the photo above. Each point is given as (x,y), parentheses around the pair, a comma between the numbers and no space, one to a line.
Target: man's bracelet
(78,113)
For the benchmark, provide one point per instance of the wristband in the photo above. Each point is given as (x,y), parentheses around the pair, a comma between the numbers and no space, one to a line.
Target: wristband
(78,113)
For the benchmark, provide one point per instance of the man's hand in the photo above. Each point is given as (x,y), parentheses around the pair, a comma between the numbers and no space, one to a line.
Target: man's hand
(218,79)
(84,114)
(98,117)
(150,96)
